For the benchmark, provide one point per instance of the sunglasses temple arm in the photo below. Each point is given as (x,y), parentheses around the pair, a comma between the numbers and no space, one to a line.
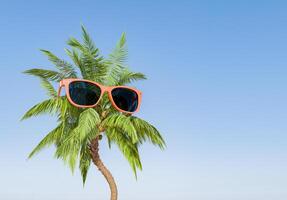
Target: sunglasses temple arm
(60,88)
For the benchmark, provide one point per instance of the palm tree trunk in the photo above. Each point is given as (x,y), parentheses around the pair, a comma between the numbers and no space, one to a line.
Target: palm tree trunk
(94,150)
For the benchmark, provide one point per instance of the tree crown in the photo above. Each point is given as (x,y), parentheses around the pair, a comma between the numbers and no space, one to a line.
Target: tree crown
(77,126)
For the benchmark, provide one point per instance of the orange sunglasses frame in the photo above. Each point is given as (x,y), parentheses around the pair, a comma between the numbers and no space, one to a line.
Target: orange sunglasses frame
(66,82)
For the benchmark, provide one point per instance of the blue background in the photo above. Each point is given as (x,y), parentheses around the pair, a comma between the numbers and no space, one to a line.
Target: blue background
(216,89)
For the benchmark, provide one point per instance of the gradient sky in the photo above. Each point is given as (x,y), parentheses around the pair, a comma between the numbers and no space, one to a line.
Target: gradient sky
(216,89)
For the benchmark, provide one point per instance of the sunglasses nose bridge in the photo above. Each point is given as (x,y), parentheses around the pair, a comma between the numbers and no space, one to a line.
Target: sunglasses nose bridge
(105,89)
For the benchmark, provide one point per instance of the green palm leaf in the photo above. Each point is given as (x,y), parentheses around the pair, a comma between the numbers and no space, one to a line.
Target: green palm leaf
(74,55)
(51,92)
(116,61)
(91,66)
(127,77)
(71,144)
(88,123)
(46,74)
(122,122)
(89,43)
(66,68)
(48,140)
(85,162)
(146,130)
(127,147)
(50,106)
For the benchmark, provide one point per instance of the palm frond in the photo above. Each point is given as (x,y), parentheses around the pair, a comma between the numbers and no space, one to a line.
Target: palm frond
(95,69)
(46,74)
(85,162)
(120,52)
(127,147)
(89,43)
(51,92)
(66,68)
(123,123)
(88,121)
(70,146)
(147,131)
(74,55)
(69,116)
(127,77)
(69,152)
(92,67)
(74,43)
(50,106)
(48,140)
(116,61)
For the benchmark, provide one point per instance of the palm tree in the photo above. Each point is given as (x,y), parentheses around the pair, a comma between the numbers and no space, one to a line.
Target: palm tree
(78,132)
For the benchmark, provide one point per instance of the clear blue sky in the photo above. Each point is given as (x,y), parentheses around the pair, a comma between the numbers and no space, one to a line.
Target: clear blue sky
(216,90)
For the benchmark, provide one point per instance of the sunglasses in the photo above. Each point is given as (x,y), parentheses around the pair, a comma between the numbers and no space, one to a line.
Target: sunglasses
(86,94)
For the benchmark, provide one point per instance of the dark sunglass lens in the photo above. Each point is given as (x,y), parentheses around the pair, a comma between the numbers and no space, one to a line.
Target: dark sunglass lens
(84,93)
(125,99)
